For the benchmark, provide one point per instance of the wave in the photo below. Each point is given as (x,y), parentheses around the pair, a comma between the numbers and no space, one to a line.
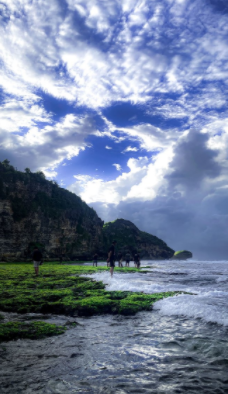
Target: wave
(206,281)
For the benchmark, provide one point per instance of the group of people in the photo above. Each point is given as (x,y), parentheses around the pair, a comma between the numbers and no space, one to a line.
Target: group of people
(37,259)
(120,258)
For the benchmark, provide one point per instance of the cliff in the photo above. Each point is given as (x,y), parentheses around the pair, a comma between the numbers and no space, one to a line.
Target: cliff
(34,211)
(130,239)
(37,212)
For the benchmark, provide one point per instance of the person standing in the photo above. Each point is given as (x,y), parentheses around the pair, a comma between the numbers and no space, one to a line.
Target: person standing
(37,257)
(137,260)
(120,259)
(127,259)
(111,257)
(95,260)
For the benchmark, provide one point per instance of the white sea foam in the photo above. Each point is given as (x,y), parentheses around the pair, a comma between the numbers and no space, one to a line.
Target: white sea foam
(207,281)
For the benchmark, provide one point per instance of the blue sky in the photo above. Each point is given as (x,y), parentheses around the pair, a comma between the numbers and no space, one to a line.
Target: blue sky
(125,104)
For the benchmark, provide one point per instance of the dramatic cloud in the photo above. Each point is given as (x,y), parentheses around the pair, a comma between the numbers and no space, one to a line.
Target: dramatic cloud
(46,148)
(189,210)
(125,103)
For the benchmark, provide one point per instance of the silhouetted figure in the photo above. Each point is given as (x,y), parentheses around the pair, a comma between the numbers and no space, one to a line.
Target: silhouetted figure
(127,259)
(120,259)
(137,260)
(37,258)
(111,257)
(95,259)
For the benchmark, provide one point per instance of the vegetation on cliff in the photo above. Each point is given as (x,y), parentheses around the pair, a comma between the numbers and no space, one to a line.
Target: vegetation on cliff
(52,202)
(35,211)
(131,240)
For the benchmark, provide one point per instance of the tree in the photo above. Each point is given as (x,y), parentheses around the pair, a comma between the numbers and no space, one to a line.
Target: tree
(27,170)
(41,174)
(6,163)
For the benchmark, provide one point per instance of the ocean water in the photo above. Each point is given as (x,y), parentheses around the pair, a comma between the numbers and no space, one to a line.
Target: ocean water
(206,281)
(180,346)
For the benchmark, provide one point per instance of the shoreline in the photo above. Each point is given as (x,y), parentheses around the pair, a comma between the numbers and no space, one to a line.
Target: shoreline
(61,289)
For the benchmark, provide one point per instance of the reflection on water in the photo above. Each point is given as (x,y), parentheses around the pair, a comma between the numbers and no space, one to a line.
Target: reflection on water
(179,347)
(112,354)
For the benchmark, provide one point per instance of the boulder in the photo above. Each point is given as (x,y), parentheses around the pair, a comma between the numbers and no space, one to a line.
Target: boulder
(182,255)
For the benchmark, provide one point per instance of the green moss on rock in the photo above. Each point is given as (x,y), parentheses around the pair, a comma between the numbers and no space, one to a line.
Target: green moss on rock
(60,289)
(182,255)
(35,330)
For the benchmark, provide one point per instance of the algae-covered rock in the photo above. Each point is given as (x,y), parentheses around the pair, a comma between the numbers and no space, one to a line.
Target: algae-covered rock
(36,330)
(60,290)
(182,255)
(131,240)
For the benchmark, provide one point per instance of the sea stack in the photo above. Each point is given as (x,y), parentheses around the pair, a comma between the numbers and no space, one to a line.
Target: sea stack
(182,255)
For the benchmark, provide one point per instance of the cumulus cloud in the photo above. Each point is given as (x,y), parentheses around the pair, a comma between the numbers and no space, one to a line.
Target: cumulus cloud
(171,58)
(94,55)
(130,149)
(193,163)
(144,178)
(46,148)
(117,166)
(189,208)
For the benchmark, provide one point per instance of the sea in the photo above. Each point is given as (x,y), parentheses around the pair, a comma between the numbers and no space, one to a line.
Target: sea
(180,346)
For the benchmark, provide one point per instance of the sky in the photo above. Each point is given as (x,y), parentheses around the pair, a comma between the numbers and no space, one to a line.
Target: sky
(124,102)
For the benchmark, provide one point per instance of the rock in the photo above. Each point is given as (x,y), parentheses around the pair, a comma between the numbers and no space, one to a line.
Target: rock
(37,212)
(34,211)
(130,239)
(182,255)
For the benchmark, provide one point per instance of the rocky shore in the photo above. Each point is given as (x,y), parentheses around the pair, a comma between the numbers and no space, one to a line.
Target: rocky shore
(61,289)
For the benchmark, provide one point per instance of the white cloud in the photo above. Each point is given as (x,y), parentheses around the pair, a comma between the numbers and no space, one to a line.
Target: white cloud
(117,166)
(108,147)
(46,148)
(16,114)
(44,47)
(140,183)
(130,149)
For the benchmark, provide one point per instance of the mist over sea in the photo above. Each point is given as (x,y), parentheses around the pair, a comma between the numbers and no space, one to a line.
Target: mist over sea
(180,346)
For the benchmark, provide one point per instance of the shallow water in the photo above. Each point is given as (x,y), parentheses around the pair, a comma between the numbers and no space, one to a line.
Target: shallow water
(207,281)
(172,349)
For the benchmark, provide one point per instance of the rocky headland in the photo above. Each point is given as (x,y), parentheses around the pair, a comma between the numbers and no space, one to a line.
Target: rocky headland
(131,240)
(38,212)
(35,211)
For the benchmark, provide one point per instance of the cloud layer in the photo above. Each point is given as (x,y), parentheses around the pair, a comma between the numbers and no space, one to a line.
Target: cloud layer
(150,75)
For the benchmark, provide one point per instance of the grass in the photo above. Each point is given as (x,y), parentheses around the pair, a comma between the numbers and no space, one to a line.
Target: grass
(61,289)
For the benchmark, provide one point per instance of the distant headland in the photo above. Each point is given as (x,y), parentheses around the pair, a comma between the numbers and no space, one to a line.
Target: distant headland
(37,212)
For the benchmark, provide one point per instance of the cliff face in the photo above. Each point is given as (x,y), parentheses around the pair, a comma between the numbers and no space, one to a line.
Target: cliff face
(36,211)
(130,239)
